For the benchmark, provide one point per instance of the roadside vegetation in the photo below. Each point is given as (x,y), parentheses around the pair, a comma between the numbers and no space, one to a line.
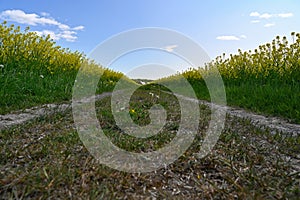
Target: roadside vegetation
(266,80)
(34,70)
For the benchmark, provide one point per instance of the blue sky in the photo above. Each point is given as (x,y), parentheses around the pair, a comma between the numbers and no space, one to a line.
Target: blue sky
(217,26)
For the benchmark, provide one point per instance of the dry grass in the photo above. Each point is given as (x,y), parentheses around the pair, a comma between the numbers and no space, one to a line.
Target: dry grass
(46,159)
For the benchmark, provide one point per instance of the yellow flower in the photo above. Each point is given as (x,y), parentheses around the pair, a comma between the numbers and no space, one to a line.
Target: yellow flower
(199,176)
(132,111)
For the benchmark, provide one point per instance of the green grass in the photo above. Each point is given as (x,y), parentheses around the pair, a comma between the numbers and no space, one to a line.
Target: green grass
(22,89)
(46,159)
(140,104)
(270,99)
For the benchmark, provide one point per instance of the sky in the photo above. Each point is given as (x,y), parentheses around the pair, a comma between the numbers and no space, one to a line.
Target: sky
(216,25)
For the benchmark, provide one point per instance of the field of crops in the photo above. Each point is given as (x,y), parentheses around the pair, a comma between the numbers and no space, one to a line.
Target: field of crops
(266,80)
(34,70)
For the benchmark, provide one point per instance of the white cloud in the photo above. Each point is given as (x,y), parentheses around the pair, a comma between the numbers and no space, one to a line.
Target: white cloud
(268,15)
(48,32)
(265,16)
(254,14)
(255,21)
(285,15)
(243,36)
(78,28)
(63,27)
(269,25)
(227,37)
(24,18)
(68,35)
(170,48)
(64,31)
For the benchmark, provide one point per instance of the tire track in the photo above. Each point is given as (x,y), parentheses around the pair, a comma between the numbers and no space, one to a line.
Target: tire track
(272,124)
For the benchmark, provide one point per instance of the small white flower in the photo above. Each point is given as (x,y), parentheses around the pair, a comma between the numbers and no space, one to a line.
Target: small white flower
(41,76)
(1,66)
